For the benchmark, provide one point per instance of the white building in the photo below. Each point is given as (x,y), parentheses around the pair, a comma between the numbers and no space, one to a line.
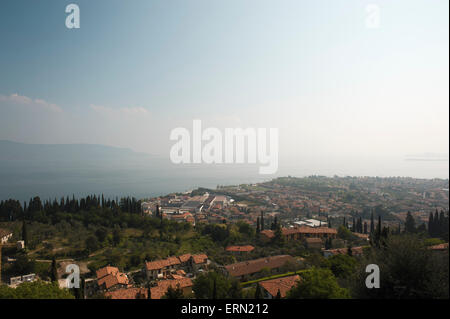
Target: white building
(311,223)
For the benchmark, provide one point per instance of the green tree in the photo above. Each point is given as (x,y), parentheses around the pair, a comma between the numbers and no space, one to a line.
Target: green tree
(410,223)
(174,293)
(117,236)
(101,234)
(342,266)
(54,271)
(92,244)
(258,292)
(344,233)
(278,296)
(204,286)
(318,283)
(35,290)
(408,270)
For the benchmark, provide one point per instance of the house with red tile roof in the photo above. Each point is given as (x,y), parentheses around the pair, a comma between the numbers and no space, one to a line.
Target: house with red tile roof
(245,268)
(162,268)
(128,293)
(282,285)
(240,249)
(102,272)
(111,278)
(160,290)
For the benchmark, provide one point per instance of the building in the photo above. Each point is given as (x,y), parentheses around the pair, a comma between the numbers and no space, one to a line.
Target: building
(111,278)
(245,268)
(240,249)
(5,235)
(128,293)
(310,223)
(282,285)
(147,208)
(15,281)
(180,217)
(185,284)
(159,269)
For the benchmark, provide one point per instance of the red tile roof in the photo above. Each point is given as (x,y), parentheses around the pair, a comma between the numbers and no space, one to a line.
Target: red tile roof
(268,233)
(102,272)
(113,279)
(279,284)
(443,246)
(246,248)
(159,291)
(184,258)
(170,261)
(156,264)
(200,258)
(128,293)
(256,265)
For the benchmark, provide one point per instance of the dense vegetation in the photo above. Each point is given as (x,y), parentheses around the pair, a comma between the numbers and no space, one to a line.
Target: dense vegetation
(98,231)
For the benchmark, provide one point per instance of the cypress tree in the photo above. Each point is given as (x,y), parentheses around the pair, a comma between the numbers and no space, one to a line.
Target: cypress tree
(349,251)
(410,223)
(436,224)
(214,293)
(54,271)
(278,296)
(258,293)
(360,225)
(258,226)
(372,224)
(262,221)
(379,226)
(431,225)
(442,226)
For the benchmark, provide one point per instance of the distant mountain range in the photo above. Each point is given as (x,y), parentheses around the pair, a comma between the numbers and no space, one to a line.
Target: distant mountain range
(13,152)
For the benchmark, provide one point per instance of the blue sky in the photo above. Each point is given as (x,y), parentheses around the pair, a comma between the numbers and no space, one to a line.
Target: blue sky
(136,69)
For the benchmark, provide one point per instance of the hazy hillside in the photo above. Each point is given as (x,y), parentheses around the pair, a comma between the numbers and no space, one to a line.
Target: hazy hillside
(13,152)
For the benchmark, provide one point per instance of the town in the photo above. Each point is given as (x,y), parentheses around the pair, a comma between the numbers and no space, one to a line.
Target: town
(245,241)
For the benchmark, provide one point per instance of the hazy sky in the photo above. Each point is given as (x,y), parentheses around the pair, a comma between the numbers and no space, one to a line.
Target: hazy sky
(347,99)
